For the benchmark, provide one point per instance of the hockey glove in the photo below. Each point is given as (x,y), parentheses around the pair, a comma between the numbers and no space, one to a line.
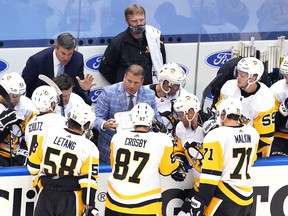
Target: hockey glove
(193,150)
(158,126)
(197,206)
(21,155)
(7,117)
(20,158)
(91,211)
(283,108)
(210,125)
(179,174)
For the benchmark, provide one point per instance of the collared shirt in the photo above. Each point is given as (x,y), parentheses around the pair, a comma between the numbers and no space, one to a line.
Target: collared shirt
(134,98)
(56,63)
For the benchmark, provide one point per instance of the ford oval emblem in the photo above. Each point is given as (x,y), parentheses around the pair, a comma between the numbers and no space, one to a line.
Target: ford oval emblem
(186,70)
(3,65)
(94,94)
(93,63)
(219,58)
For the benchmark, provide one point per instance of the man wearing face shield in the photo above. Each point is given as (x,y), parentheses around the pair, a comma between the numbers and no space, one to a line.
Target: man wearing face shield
(139,44)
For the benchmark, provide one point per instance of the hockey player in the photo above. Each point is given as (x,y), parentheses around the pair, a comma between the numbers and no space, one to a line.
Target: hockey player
(67,165)
(70,99)
(280,90)
(137,157)
(229,153)
(13,149)
(189,136)
(172,79)
(226,72)
(45,100)
(256,98)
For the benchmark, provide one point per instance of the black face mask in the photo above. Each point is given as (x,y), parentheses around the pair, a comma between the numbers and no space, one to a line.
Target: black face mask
(137,30)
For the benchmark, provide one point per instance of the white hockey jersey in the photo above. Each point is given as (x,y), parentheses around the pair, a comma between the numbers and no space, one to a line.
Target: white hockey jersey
(25,110)
(259,108)
(280,91)
(229,153)
(38,125)
(137,159)
(189,135)
(164,106)
(59,153)
(73,101)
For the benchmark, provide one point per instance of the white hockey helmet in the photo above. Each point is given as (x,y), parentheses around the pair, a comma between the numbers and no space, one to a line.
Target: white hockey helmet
(42,98)
(230,106)
(173,73)
(185,102)
(13,83)
(142,114)
(83,113)
(252,66)
(284,66)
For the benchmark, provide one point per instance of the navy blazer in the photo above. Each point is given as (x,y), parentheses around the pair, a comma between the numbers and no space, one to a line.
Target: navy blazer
(42,63)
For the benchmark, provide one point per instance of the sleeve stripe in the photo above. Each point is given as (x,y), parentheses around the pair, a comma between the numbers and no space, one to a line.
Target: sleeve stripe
(35,166)
(211,172)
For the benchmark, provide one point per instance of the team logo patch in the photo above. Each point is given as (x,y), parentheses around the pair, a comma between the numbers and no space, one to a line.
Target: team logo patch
(3,65)
(93,63)
(217,59)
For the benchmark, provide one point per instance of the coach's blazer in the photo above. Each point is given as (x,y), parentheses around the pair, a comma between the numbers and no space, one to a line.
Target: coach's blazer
(42,63)
(113,99)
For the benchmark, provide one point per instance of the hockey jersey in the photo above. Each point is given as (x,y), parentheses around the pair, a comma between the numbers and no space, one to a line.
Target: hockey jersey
(189,135)
(25,110)
(280,91)
(229,153)
(165,107)
(39,123)
(258,108)
(137,159)
(60,154)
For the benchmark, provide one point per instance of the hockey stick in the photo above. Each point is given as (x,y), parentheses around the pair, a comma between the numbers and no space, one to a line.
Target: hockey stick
(6,96)
(58,90)
(208,88)
(7,99)
(89,182)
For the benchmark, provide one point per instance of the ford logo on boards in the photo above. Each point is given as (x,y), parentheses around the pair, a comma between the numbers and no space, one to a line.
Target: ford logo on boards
(219,58)
(94,94)
(3,65)
(186,70)
(93,62)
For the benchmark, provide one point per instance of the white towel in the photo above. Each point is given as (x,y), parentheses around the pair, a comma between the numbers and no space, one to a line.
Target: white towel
(153,40)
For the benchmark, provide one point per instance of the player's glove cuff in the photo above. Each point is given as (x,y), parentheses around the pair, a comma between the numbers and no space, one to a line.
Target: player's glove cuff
(210,125)
(158,126)
(179,174)
(197,206)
